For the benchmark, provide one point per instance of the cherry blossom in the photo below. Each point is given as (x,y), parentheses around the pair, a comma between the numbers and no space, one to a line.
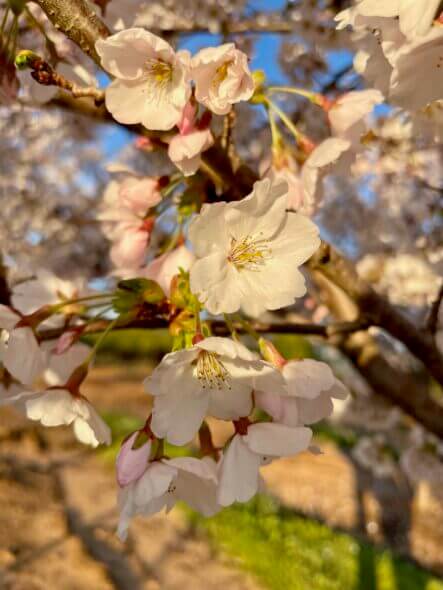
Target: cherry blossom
(284,167)
(61,366)
(20,352)
(326,155)
(185,150)
(57,406)
(152,81)
(126,219)
(165,482)
(379,41)
(44,288)
(194,137)
(346,116)
(240,465)
(215,376)
(248,252)
(310,385)
(165,267)
(131,462)
(416,79)
(415,16)
(222,77)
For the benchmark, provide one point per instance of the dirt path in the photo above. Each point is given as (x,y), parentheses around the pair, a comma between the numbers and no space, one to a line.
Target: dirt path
(57,530)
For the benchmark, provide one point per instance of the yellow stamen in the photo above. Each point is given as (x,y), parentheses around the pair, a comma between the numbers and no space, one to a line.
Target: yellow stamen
(221,73)
(249,253)
(159,74)
(210,371)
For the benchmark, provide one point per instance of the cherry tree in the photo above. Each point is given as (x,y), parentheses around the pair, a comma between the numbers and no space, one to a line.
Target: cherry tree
(235,219)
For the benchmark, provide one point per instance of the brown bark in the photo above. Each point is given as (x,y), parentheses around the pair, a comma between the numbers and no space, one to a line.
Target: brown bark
(378,310)
(78,22)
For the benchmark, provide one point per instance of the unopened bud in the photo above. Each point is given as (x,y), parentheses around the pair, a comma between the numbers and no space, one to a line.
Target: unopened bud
(26,59)
(271,354)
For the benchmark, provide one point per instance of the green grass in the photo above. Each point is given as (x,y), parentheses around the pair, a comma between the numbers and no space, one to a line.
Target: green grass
(290,552)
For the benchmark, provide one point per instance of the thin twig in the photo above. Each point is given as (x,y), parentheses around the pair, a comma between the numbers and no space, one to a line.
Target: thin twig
(44,74)
(220,328)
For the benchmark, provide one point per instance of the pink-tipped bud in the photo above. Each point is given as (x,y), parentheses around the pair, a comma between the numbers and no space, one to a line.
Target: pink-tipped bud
(271,354)
(187,123)
(132,459)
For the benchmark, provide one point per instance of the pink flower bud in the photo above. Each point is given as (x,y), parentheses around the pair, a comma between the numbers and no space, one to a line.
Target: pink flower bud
(187,123)
(132,462)
(271,354)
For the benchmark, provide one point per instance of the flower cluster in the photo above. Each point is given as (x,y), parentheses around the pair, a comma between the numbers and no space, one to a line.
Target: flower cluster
(400,48)
(245,256)
(27,362)
(189,255)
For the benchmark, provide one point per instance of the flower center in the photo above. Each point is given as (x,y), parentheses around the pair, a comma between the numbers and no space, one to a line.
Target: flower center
(249,253)
(171,487)
(159,75)
(221,73)
(210,371)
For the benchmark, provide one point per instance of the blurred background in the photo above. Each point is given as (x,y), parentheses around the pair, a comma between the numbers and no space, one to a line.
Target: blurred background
(367,513)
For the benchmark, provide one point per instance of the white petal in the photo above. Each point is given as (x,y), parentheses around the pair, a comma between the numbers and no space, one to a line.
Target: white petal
(351,108)
(178,416)
(153,484)
(8,318)
(307,378)
(62,365)
(298,240)
(23,357)
(124,54)
(196,484)
(99,428)
(261,213)
(311,411)
(277,440)
(238,473)
(216,284)
(226,347)
(84,433)
(271,403)
(207,231)
(52,408)
(174,373)
(230,404)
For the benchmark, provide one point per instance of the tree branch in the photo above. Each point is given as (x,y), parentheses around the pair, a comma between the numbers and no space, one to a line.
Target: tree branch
(219,328)
(432,323)
(403,384)
(5,294)
(78,22)
(379,311)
